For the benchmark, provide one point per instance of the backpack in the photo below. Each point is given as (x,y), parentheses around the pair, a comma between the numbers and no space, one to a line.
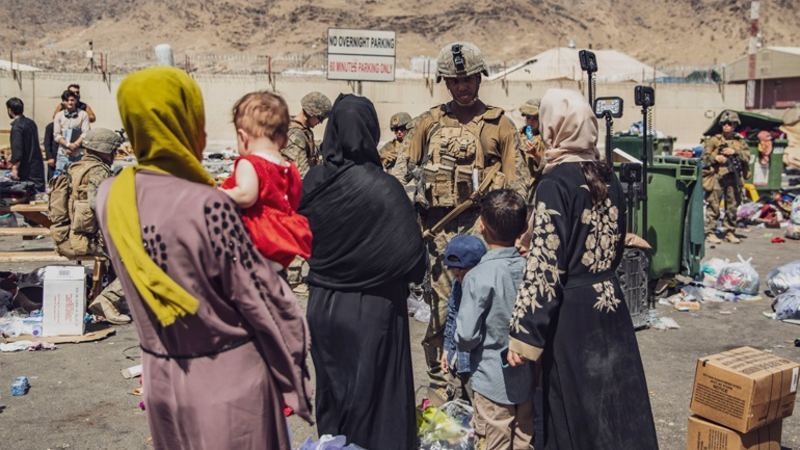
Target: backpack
(74,225)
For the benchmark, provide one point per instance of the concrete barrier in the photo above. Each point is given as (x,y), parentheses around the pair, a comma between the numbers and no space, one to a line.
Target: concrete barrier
(682,110)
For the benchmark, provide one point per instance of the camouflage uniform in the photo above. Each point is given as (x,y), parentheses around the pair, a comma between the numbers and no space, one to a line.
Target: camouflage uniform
(719,182)
(88,174)
(448,152)
(391,149)
(301,148)
(531,151)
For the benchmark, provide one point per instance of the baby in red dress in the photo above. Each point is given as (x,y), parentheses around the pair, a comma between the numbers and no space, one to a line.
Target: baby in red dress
(263,184)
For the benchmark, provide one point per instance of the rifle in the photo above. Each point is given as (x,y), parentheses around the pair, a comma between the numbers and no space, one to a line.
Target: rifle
(466,204)
(734,165)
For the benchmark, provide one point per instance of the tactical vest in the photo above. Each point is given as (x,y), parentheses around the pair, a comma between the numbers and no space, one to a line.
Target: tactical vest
(74,225)
(457,159)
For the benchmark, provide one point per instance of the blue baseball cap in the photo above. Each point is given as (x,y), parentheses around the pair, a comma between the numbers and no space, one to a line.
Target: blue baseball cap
(463,252)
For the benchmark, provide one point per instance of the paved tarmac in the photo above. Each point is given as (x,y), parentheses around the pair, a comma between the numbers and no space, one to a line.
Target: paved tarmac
(79,400)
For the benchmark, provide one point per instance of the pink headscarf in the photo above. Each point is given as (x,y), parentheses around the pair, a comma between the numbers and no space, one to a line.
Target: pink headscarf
(569,128)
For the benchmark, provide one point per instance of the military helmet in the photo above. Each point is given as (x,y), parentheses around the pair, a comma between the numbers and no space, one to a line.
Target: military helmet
(460,59)
(102,140)
(400,120)
(729,116)
(530,108)
(316,104)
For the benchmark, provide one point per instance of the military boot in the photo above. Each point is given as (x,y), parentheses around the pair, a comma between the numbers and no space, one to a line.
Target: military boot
(712,238)
(101,306)
(731,237)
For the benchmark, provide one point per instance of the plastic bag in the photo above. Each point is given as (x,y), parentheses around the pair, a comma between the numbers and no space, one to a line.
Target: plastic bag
(738,277)
(787,305)
(446,428)
(783,278)
(793,231)
(329,442)
(795,215)
(712,267)
(748,211)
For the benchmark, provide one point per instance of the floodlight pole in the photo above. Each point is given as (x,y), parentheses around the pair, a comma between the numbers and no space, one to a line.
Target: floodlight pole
(645,161)
(609,126)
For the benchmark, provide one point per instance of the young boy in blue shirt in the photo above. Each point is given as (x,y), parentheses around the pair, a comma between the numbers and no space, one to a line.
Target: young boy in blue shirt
(502,395)
(462,253)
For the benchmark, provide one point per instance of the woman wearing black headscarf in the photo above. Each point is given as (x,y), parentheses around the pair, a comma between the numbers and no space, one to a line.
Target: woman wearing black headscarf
(367,247)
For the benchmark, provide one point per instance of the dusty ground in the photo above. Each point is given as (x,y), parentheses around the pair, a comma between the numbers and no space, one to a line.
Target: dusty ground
(79,400)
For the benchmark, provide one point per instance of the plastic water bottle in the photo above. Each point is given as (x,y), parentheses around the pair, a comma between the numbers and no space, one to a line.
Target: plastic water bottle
(529,132)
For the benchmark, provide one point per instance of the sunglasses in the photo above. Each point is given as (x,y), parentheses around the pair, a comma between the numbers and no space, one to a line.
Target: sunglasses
(396,129)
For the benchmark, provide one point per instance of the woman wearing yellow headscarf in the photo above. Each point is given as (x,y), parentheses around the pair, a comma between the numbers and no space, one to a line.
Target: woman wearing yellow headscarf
(224,342)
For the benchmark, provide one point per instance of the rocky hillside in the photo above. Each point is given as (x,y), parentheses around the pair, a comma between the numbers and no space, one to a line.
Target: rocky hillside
(55,33)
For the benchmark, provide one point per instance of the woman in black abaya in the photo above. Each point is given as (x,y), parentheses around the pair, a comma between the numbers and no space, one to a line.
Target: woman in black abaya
(367,247)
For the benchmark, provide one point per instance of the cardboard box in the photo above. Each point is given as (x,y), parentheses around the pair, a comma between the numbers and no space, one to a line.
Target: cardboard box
(64,300)
(705,435)
(744,389)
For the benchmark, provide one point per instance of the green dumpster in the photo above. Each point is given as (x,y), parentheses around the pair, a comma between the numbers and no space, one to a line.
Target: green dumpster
(632,144)
(767,178)
(675,207)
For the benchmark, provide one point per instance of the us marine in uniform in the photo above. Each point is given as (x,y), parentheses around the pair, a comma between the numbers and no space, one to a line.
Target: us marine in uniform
(719,180)
(453,149)
(400,124)
(72,207)
(531,144)
(301,148)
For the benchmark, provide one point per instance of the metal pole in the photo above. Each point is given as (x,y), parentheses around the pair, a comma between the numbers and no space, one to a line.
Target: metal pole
(646,157)
(609,158)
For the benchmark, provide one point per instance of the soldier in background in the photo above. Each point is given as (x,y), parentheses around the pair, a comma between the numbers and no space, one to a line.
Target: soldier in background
(301,148)
(72,208)
(531,144)
(400,124)
(453,149)
(726,163)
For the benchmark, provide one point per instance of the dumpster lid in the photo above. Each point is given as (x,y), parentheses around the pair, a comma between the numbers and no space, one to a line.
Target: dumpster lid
(749,119)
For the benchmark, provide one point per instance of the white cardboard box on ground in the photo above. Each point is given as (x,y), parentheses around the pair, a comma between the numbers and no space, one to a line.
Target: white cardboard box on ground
(64,301)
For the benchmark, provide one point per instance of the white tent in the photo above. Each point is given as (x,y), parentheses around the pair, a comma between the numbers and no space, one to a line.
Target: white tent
(562,63)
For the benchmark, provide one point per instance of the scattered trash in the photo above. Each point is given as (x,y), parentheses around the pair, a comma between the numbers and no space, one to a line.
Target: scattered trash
(715,295)
(30,346)
(665,323)
(738,277)
(417,308)
(787,305)
(778,240)
(328,442)
(447,427)
(711,269)
(132,372)
(20,386)
(687,306)
(726,312)
(18,323)
(783,278)
(797,342)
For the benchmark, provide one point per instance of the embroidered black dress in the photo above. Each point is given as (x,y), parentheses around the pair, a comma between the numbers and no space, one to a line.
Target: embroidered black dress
(570,315)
